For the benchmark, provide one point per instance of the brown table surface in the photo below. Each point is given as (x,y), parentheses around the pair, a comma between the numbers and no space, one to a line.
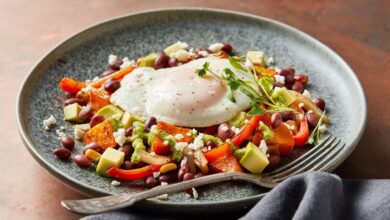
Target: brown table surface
(358,30)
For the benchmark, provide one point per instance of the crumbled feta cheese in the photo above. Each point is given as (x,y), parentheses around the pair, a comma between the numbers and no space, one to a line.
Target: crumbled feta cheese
(193,132)
(248,64)
(153,128)
(112,59)
(310,111)
(279,78)
(270,61)
(115,183)
(153,153)
(179,146)
(182,55)
(87,89)
(203,53)
(216,47)
(195,193)
(246,121)
(322,128)
(49,122)
(197,143)
(311,140)
(204,149)
(120,136)
(183,162)
(235,130)
(127,63)
(156,174)
(290,127)
(96,78)
(306,93)
(84,127)
(165,142)
(277,69)
(179,136)
(78,133)
(263,146)
(301,105)
(276,89)
(182,45)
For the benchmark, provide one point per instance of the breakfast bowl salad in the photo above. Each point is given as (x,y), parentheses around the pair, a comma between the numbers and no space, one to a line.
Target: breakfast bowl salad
(184,113)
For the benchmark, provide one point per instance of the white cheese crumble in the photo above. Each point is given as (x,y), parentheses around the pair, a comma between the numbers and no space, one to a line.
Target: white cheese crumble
(182,55)
(78,133)
(279,79)
(198,142)
(182,45)
(115,183)
(165,142)
(49,122)
(153,153)
(235,130)
(183,162)
(248,64)
(322,128)
(216,47)
(301,105)
(120,136)
(311,140)
(290,127)
(96,78)
(88,89)
(310,111)
(156,174)
(179,146)
(112,59)
(127,63)
(306,93)
(195,193)
(153,129)
(246,121)
(203,53)
(270,61)
(179,136)
(263,146)
(277,69)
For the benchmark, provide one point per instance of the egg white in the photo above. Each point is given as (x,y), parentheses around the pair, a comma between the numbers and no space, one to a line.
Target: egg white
(179,96)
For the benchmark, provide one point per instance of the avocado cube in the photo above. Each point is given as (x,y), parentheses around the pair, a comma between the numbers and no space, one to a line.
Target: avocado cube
(256,57)
(282,96)
(110,111)
(128,119)
(172,49)
(147,61)
(254,160)
(71,112)
(110,158)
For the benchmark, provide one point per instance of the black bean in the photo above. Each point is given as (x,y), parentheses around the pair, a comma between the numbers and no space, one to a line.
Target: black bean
(312,119)
(297,86)
(96,119)
(75,100)
(86,113)
(303,78)
(112,85)
(116,65)
(173,62)
(227,47)
(276,120)
(129,131)
(94,146)
(67,142)
(161,61)
(224,131)
(288,116)
(188,176)
(127,149)
(151,182)
(82,161)
(320,103)
(62,153)
(149,123)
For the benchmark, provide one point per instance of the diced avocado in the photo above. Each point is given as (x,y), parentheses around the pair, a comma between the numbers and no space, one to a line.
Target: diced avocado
(254,160)
(110,158)
(256,57)
(128,119)
(282,96)
(71,112)
(172,49)
(110,111)
(147,61)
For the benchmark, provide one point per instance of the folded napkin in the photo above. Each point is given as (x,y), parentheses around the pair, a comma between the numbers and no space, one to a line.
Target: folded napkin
(313,195)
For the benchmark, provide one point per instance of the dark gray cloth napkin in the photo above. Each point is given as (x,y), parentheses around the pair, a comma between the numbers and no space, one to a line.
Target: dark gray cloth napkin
(313,195)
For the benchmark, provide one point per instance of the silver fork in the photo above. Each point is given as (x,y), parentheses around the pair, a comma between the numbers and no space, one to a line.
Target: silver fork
(313,160)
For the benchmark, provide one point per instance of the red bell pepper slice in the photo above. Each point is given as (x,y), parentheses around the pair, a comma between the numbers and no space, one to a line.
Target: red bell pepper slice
(133,174)
(301,137)
(218,152)
(241,137)
(227,163)
(70,85)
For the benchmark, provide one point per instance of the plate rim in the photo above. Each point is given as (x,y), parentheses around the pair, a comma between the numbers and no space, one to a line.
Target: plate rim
(93,191)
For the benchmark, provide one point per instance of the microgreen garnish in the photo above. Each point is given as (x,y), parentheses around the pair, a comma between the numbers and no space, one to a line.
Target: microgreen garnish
(236,64)
(315,134)
(255,109)
(203,71)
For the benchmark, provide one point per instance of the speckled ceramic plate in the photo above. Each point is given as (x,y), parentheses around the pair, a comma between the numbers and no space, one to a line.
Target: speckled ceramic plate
(84,56)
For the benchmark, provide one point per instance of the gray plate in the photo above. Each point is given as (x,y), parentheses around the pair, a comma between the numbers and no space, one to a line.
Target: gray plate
(139,34)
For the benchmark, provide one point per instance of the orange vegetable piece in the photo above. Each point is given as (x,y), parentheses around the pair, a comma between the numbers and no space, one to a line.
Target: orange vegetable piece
(227,163)
(70,85)
(218,152)
(117,76)
(158,145)
(282,136)
(102,134)
(263,70)
(98,99)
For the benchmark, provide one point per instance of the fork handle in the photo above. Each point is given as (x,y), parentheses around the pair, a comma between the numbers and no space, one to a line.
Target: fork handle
(110,203)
